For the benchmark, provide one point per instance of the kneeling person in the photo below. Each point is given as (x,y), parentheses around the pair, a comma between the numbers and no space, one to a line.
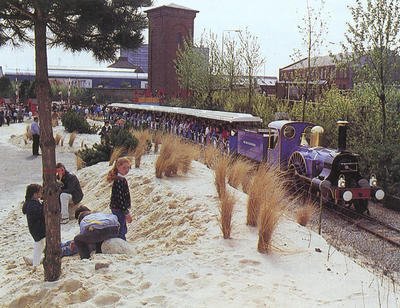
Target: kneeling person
(70,190)
(94,229)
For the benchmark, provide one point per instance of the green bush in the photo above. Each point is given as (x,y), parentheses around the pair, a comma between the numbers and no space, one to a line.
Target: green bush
(122,137)
(96,154)
(76,122)
(102,152)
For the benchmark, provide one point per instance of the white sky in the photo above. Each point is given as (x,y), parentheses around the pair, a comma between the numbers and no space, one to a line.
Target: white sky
(273,22)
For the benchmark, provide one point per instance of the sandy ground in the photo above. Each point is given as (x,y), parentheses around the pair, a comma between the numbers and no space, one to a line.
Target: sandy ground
(179,257)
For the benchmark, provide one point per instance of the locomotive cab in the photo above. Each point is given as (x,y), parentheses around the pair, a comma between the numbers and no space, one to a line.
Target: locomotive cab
(285,137)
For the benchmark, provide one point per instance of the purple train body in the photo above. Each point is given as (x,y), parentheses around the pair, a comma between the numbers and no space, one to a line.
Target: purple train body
(294,146)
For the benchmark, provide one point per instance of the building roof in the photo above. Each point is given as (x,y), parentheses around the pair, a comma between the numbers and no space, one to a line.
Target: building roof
(266,80)
(122,62)
(315,62)
(174,6)
(83,73)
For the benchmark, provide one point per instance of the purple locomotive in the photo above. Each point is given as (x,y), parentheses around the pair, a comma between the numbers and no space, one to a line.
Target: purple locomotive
(295,147)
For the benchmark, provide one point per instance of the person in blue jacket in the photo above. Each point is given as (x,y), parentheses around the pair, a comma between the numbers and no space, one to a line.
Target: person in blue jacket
(94,229)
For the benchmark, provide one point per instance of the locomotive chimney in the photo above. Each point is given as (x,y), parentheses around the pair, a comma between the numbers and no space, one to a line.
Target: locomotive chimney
(342,135)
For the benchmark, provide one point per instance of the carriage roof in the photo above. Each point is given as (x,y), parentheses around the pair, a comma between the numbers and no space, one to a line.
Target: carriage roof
(231,117)
(279,124)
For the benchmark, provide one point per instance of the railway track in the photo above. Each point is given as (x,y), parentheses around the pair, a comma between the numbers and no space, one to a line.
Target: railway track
(369,224)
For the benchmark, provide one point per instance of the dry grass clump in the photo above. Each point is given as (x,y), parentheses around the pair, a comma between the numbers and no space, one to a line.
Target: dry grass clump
(305,213)
(28,132)
(272,207)
(197,149)
(72,139)
(57,139)
(157,140)
(271,211)
(79,162)
(211,156)
(227,201)
(239,173)
(220,174)
(116,153)
(54,119)
(175,156)
(139,152)
(257,194)
(144,138)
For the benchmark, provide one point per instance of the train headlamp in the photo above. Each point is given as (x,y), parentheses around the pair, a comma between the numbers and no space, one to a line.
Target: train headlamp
(379,194)
(341,181)
(347,195)
(373,182)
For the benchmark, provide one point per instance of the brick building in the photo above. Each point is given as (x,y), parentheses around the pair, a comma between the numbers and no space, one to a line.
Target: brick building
(324,70)
(169,25)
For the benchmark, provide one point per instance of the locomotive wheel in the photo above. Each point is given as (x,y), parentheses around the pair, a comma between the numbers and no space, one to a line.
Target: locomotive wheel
(297,166)
(360,205)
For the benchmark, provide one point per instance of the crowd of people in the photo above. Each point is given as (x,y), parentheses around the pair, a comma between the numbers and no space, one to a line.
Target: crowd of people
(13,113)
(204,131)
(94,227)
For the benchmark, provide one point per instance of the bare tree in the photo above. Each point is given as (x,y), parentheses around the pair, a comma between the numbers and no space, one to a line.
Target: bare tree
(312,29)
(231,61)
(252,61)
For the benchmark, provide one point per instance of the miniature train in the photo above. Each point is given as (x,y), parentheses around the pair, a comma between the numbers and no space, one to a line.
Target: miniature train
(291,146)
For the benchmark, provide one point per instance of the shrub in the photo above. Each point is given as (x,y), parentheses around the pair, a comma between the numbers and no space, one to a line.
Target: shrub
(72,139)
(220,174)
(121,137)
(57,139)
(227,202)
(28,132)
(96,154)
(304,213)
(115,154)
(239,172)
(272,208)
(175,156)
(73,121)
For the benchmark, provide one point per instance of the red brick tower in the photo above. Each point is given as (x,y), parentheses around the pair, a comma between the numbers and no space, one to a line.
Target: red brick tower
(169,25)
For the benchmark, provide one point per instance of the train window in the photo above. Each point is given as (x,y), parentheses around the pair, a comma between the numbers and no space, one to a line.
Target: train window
(273,138)
(289,132)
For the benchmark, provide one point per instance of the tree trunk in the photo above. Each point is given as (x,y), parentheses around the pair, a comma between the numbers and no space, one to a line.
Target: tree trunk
(52,261)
